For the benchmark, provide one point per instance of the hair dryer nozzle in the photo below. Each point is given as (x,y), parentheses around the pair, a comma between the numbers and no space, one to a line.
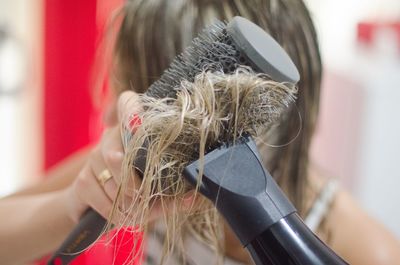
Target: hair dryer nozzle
(235,180)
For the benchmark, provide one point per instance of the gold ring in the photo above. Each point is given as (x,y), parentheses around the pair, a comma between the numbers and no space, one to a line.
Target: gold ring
(104,176)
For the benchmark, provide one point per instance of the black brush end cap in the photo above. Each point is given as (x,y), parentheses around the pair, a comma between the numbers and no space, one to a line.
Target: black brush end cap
(262,50)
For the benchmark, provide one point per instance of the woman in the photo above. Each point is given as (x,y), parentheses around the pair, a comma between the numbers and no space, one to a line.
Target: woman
(151,34)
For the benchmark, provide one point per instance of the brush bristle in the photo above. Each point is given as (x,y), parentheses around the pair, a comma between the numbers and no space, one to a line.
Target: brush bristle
(212,49)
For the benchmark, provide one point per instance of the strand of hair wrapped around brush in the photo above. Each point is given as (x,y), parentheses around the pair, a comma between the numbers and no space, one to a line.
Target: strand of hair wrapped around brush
(215,108)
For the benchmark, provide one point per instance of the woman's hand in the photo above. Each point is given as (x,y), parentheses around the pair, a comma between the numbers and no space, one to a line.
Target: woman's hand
(48,212)
(97,183)
(87,190)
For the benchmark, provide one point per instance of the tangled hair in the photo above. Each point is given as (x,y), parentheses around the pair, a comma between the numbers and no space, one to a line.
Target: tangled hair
(153,32)
(215,108)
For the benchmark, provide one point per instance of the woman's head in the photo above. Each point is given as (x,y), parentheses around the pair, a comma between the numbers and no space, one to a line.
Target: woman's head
(153,32)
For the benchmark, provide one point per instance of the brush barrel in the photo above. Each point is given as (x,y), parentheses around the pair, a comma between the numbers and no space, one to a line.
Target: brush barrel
(226,47)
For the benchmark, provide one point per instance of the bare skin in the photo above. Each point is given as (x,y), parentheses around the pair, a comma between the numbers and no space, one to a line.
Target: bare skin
(38,212)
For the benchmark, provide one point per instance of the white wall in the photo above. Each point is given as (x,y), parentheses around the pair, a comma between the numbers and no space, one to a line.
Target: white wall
(21,115)
(358,135)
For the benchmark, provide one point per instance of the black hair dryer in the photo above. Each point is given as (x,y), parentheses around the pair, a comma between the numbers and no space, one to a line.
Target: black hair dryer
(261,216)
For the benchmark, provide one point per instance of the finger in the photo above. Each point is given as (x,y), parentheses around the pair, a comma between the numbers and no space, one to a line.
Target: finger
(188,200)
(112,157)
(112,153)
(91,191)
(111,189)
(128,104)
(109,157)
(131,184)
(98,166)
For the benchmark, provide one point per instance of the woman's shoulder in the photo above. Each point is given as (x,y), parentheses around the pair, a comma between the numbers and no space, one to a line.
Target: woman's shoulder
(357,236)
(353,233)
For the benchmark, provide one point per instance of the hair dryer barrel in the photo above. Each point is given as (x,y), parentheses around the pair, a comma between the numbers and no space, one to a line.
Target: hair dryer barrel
(291,242)
(256,209)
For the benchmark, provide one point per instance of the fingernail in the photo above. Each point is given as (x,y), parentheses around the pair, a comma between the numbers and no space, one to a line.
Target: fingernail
(117,156)
(134,122)
(188,200)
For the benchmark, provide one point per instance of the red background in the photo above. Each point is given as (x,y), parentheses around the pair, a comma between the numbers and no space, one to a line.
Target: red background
(72,30)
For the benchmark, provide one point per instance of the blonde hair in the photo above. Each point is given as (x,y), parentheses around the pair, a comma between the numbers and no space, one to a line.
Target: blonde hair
(153,32)
(215,108)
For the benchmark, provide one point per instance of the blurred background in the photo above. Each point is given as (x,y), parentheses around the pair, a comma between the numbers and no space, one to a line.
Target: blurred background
(47,48)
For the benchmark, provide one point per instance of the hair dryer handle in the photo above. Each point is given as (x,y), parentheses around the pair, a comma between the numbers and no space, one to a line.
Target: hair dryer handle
(290,241)
(84,234)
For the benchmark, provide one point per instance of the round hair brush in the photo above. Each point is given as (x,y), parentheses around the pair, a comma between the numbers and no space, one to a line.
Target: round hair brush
(228,46)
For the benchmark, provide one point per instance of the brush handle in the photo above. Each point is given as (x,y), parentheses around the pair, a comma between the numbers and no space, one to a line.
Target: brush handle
(91,224)
(82,236)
